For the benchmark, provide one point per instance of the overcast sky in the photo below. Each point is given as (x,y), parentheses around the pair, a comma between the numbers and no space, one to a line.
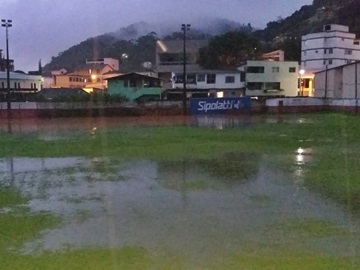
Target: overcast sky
(43,28)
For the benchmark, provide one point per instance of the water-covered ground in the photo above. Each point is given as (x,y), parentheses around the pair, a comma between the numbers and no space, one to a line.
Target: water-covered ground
(180,207)
(192,208)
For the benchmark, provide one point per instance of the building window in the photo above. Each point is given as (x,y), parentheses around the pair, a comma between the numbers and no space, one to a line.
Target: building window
(348,52)
(179,78)
(356,42)
(330,61)
(331,51)
(132,83)
(325,51)
(242,76)
(201,77)
(254,86)
(191,79)
(210,78)
(275,69)
(230,79)
(15,85)
(292,69)
(2,85)
(272,86)
(255,69)
(98,79)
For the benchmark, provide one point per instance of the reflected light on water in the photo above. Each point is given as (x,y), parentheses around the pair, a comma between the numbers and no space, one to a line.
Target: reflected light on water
(302,157)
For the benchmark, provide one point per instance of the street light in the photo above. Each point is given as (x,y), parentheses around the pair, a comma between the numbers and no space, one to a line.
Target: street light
(301,72)
(7,24)
(184,28)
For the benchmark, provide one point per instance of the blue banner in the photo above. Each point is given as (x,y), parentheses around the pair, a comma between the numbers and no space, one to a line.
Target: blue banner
(218,105)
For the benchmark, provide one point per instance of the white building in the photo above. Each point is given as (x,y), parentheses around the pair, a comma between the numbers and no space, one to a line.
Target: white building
(333,47)
(20,81)
(215,83)
(272,78)
(342,82)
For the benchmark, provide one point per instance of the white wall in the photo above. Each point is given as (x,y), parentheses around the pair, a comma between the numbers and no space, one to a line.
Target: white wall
(25,81)
(288,80)
(295,102)
(340,82)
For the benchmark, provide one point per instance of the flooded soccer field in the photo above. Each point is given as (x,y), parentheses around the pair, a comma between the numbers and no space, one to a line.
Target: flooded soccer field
(181,193)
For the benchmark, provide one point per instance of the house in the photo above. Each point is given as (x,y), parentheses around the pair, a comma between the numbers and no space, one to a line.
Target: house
(333,47)
(20,84)
(86,76)
(271,78)
(340,82)
(208,83)
(134,86)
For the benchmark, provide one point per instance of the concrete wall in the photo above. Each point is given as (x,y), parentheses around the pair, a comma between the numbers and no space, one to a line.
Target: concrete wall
(342,82)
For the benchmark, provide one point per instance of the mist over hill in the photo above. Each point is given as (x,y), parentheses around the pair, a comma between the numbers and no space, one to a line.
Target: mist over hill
(138,40)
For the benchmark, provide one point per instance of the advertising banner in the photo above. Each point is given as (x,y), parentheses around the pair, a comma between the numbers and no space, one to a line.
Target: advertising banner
(218,105)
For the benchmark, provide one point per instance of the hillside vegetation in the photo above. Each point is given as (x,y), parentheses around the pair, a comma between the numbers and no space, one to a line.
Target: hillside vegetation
(285,34)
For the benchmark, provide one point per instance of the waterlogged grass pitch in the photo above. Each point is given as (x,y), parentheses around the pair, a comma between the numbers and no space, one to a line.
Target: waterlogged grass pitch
(279,194)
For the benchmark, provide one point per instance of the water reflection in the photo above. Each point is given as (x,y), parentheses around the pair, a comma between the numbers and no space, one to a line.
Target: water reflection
(59,127)
(302,157)
(187,207)
(221,121)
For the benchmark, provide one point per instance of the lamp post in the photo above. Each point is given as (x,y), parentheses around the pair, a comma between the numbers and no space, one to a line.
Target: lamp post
(7,24)
(301,72)
(184,28)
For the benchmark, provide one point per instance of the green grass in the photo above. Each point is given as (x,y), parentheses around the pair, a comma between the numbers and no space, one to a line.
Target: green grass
(334,173)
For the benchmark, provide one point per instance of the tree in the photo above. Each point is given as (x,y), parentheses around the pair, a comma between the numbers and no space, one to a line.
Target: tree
(229,50)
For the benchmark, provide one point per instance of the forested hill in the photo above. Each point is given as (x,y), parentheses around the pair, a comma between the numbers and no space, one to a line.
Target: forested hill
(285,33)
(312,18)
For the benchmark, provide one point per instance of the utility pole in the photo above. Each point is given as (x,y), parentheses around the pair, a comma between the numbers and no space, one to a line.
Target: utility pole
(7,24)
(184,28)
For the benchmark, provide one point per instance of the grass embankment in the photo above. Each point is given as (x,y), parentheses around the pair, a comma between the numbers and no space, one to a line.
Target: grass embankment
(334,172)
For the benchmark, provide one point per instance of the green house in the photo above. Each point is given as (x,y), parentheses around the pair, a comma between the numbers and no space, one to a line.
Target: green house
(135,87)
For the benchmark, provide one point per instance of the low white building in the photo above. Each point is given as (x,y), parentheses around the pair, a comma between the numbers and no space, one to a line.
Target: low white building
(21,82)
(342,82)
(272,78)
(215,83)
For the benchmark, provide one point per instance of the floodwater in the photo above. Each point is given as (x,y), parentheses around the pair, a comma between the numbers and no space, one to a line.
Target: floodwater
(191,208)
(66,125)
(178,207)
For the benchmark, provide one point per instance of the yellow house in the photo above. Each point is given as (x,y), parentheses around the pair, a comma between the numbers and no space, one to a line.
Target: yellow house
(88,76)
